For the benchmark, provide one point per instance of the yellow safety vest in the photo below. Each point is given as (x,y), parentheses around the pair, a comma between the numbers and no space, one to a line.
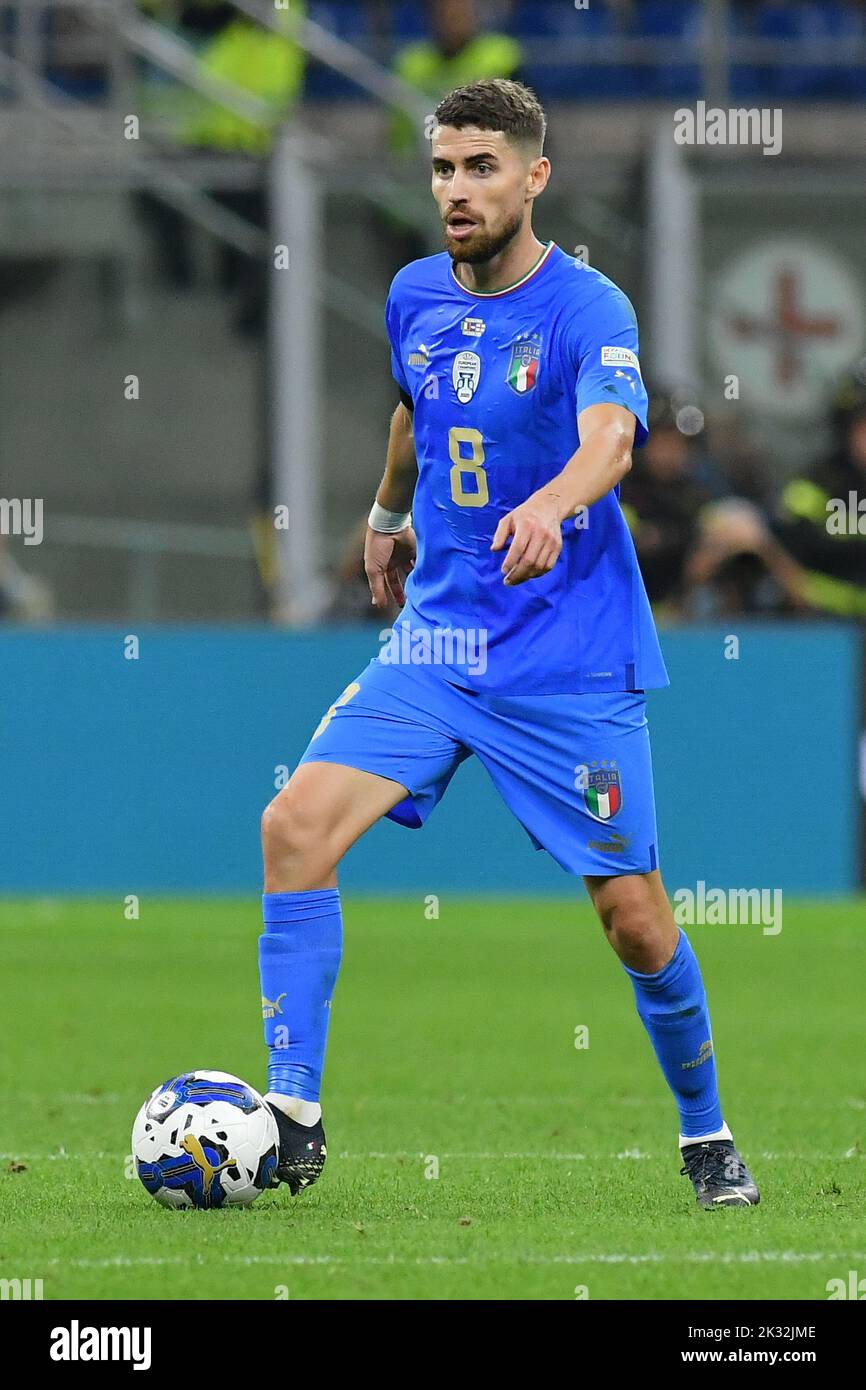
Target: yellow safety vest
(424,66)
(845,598)
(265,64)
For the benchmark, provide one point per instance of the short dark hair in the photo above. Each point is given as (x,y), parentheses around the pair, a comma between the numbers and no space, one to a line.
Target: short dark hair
(496,104)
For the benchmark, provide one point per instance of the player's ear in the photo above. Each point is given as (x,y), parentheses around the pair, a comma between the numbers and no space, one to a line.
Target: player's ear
(537,176)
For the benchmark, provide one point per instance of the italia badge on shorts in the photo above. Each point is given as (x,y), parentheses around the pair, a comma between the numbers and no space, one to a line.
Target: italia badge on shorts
(603,792)
(524,365)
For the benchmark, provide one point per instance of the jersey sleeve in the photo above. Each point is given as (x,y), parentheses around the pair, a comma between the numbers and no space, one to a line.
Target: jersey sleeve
(605,349)
(392,323)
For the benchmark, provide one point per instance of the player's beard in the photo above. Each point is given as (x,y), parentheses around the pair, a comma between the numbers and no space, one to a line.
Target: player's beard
(484,246)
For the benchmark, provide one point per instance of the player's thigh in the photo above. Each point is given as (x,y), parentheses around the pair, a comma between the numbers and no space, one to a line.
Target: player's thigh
(327,804)
(399,725)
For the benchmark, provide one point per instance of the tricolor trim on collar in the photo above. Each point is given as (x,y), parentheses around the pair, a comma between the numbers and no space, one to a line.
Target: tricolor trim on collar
(509,289)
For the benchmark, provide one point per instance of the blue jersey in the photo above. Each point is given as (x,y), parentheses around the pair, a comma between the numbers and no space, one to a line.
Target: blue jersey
(497,381)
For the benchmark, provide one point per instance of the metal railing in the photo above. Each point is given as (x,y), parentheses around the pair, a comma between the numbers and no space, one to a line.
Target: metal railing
(146,543)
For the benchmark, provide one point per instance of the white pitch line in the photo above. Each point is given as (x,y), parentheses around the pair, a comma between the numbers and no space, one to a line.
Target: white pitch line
(111,1098)
(511,1102)
(754,1257)
(485,1156)
(420,1157)
(70,1098)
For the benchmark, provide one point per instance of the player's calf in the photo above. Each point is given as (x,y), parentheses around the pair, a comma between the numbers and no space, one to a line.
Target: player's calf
(672,1005)
(306,829)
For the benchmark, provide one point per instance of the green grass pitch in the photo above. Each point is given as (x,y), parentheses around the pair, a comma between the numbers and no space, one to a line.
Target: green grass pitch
(452,1051)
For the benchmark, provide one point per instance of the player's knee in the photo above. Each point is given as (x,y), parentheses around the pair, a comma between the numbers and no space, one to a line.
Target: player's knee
(635,932)
(619,900)
(290,828)
(637,921)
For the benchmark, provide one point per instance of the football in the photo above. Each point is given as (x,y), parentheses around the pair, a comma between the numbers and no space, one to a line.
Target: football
(205,1139)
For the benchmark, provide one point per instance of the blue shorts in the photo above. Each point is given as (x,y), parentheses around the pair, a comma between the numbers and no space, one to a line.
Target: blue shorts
(574,769)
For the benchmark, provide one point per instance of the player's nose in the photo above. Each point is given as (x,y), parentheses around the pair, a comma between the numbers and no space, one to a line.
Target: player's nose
(457,205)
(456,196)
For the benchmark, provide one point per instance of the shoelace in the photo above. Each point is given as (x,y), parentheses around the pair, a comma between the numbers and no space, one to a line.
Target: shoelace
(711,1163)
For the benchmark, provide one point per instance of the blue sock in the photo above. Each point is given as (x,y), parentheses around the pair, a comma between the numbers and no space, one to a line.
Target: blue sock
(299,958)
(673,1007)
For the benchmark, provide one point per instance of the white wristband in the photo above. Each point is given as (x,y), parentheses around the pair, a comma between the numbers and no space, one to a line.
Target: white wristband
(388,523)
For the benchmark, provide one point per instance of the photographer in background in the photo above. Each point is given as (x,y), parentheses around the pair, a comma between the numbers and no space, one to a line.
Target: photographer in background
(816,523)
(705,548)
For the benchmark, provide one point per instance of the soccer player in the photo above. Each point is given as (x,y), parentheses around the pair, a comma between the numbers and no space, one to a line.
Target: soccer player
(525,636)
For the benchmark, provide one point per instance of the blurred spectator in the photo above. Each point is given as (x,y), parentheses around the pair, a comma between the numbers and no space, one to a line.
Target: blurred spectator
(704,552)
(267,65)
(814,552)
(821,523)
(738,567)
(458,51)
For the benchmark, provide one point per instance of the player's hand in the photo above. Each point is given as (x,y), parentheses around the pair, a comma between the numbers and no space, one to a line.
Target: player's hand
(533,534)
(388,562)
